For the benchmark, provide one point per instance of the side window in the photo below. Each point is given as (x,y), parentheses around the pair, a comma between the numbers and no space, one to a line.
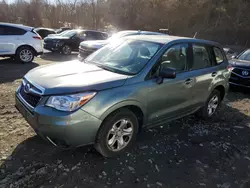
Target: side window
(175,57)
(8,30)
(99,36)
(91,35)
(218,55)
(82,35)
(201,58)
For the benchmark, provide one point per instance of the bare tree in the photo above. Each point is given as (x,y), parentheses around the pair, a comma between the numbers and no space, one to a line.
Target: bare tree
(222,20)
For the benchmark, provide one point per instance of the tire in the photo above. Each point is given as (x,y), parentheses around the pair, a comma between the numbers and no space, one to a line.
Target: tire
(107,133)
(25,54)
(204,112)
(66,50)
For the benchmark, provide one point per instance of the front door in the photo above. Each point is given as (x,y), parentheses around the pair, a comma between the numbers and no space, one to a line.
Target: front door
(171,98)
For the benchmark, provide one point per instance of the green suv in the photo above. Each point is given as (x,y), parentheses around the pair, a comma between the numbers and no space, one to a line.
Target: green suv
(132,83)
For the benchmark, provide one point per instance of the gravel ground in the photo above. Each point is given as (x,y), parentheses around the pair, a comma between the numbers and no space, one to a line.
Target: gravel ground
(184,153)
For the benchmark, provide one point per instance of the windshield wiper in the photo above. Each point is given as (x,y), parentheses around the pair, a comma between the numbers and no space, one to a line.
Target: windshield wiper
(113,70)
(106,68)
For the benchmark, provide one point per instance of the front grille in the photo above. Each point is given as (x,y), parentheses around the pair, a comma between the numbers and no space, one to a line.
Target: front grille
(30,98)
(241,71)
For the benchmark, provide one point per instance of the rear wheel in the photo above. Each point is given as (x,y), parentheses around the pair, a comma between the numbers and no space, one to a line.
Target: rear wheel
(211,105)
(25,54)
(66,50)
(117,133)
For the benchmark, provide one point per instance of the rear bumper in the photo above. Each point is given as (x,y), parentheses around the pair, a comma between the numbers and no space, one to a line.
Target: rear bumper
(62,129)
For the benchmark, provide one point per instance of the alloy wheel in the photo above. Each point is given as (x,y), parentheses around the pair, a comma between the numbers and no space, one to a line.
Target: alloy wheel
(66,50)
(120,135)
(212,105)
(26,55)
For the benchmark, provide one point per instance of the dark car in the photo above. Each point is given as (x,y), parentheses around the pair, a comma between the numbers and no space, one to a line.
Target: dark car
(241,69)
(69,41)
(88,47)
(44,32)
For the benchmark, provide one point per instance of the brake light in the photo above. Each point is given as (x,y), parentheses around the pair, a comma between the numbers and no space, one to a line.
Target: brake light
(37,37)
(229,67)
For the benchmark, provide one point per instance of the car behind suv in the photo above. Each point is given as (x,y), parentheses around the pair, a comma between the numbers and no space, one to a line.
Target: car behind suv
(88,47)
(69,41)
(133,83)
(20,42)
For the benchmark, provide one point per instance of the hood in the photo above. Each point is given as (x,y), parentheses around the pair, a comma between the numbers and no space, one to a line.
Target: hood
(72,77)
(239,63)
(94,43)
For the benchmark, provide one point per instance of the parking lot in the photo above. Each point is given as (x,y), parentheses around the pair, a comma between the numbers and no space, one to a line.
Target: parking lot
(184,153)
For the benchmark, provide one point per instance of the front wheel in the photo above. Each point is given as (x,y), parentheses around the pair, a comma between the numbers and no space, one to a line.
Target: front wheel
(117,133)
(66,50)
(211,105)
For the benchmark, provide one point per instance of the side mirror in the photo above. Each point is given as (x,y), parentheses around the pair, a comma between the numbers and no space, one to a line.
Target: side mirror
(233,57)
(167,73)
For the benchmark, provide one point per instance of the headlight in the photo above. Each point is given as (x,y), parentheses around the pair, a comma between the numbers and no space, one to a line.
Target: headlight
(69,102)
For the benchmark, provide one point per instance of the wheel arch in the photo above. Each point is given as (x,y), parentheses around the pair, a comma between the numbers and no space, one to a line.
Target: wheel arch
(134,106)
(221,89)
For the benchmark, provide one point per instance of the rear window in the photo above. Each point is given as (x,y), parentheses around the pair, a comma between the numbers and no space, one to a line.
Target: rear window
(218,55)
(9,30)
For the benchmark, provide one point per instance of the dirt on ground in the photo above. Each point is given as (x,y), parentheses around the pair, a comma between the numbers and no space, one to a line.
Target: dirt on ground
(184,153)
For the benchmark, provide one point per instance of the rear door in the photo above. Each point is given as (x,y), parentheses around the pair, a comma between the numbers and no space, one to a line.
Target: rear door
(202,71)
(10,38)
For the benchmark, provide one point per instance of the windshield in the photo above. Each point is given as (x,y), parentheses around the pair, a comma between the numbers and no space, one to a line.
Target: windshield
(62,33)
(125,56)
(69,33)
(245,56)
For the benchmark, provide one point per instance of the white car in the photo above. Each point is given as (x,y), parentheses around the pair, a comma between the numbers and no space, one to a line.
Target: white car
(20,42)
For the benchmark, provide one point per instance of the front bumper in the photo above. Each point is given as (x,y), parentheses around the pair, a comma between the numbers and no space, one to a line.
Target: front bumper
(62,129)
(239,81)
(51,47)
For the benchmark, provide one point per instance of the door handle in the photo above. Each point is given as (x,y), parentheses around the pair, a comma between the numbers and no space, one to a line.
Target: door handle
(188,81)
(214,74)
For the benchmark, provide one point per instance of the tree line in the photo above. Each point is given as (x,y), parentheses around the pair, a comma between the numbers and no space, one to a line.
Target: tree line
(225,21)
